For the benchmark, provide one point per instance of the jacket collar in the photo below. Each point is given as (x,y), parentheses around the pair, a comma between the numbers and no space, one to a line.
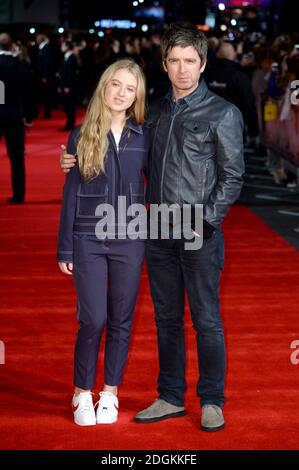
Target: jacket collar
(132,125)
(193,98)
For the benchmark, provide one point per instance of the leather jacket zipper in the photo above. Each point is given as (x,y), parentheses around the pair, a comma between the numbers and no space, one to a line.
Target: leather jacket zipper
(205,171)
(151,165)
(165,155)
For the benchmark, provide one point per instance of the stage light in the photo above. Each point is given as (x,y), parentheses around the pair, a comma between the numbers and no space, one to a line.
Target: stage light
(144,28)
(91,31)
(223,27)
(133,24)
(32,30)
(101,34)
(135,4)
(221,6)
(141,1)
(233,22)
(97,24)
(61,30)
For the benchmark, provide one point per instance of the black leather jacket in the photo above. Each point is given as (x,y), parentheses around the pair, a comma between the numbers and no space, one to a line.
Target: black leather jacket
(196,152)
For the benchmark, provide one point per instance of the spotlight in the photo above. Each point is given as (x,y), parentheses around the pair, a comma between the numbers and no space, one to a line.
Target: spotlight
(221,6)
(233,22)
(135,4)
(32,30)
(91,31)
(61,30)
(101,34)
(97,24)
(223,27)
(144,28)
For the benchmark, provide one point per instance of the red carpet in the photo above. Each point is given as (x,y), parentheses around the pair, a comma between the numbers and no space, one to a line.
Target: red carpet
(260,309)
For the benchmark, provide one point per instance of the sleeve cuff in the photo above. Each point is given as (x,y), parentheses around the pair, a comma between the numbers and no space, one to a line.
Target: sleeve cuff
(65,256)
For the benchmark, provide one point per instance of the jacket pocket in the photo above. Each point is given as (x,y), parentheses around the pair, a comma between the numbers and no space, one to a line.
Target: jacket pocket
(88,200)
(198,131)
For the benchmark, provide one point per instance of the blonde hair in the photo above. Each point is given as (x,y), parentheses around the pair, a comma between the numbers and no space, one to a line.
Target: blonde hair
(93,139)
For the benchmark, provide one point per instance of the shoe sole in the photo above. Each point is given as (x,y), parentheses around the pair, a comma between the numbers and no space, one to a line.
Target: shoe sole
(160,418)
(218,428)
(80,424)
(107,422)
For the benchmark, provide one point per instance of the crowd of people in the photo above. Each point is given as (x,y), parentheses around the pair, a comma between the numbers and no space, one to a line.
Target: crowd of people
(248,69)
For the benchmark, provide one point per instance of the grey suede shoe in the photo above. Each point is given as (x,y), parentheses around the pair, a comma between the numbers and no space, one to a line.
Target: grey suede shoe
(158,411)
(212,418)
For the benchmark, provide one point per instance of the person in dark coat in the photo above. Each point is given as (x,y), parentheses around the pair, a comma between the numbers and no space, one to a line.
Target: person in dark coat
(67,84)
(45,75)
(226,79)
(15,114)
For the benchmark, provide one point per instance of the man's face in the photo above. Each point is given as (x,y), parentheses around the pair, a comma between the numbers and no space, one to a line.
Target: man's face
(184,68)
(63,47)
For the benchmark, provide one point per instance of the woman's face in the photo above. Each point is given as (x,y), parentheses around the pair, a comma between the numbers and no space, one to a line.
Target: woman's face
(120,91)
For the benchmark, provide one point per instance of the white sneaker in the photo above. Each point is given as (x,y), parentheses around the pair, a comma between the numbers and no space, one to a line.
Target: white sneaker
(84,414)
(107,410)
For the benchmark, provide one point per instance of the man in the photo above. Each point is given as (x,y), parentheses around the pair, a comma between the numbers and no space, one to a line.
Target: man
(196,158)
(44,74)
(67,85)
(227,79)
(15,113)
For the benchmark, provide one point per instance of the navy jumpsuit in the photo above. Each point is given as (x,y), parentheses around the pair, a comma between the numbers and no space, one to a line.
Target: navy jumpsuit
(106,272)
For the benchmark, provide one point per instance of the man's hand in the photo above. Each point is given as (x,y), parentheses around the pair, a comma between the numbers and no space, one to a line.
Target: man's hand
(66,268)
(67,160)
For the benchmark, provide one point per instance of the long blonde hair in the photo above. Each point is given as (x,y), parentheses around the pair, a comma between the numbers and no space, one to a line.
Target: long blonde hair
(93,139)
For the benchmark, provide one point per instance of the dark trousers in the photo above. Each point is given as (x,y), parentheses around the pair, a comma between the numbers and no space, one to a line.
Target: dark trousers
(15,139)
(172,270)
(69,104)
(106,276)
(45,98)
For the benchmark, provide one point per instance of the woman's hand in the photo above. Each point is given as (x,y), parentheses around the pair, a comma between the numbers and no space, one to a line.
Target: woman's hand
(67,160)
(66,268)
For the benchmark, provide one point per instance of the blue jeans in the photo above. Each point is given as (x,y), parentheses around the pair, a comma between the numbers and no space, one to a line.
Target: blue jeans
(172,270)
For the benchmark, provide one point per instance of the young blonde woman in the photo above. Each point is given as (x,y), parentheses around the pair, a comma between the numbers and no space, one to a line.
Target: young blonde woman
(111,149)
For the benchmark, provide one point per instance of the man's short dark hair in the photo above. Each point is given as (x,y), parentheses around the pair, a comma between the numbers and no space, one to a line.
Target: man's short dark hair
(184,34)
(6,42)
